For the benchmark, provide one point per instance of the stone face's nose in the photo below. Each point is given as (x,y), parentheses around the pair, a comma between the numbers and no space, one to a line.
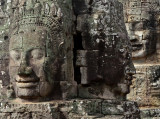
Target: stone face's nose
(130,71)
(24,69)
(134,38)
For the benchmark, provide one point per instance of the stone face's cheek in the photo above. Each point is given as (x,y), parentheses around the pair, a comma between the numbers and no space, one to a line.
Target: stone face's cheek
(37,59)
(123,88)
(15,60)
(45,88)
(15,56)
(13,72)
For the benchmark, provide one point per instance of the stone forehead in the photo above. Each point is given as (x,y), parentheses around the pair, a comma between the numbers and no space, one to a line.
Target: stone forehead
(28,40)
(141,5)
(141,10)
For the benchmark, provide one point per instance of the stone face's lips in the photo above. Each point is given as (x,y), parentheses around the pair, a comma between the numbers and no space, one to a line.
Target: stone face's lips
(155,88)
(137,46)
(27,85)
(26,79)
(27,82)
(155,93)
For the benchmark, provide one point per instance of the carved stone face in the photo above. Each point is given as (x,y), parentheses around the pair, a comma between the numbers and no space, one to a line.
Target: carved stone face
(108,68)
(155,88)
(106,58)
(143,38)
(155,82)
(30,54)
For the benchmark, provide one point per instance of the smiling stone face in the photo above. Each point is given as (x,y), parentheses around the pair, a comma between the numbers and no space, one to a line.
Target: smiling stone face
(29,55)
(41,50)
(143,39)
(142,23)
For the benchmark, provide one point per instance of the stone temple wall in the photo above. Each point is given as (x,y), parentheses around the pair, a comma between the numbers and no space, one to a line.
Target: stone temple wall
(142,19)
(73,109)
(101,38)
(71,59)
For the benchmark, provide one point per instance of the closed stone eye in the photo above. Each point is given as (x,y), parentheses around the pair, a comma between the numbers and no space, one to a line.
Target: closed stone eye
(15,55)
(37,54)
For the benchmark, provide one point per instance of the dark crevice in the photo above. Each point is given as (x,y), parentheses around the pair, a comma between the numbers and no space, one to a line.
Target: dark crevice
(77,39)
(90,8)
(90,2)
(5,37)
(77,46)
(77,74)
(2,2)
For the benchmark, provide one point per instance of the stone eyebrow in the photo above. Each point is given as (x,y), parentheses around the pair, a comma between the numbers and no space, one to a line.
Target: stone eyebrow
(16,49)
(37,47)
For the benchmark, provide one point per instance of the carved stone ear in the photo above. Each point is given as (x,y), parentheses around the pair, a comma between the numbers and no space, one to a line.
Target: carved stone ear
(61,50)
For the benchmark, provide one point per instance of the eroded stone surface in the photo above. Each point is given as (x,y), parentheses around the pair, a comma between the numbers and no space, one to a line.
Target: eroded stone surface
(42,58)
(142,26)
(4,45)
(104,58)
(145,88)
(40,50)
(150,113)
(104,43)
(142,23)
(74,109)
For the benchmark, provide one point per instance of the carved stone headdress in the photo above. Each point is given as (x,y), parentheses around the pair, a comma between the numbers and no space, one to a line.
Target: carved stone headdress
(36,12)
(140,9)
(44,13)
